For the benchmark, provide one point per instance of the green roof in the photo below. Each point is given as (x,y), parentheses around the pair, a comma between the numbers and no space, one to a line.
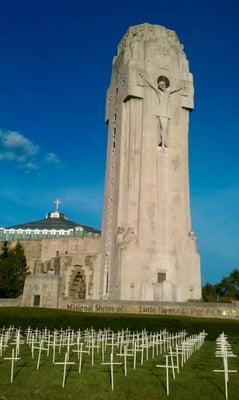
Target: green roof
(54,223)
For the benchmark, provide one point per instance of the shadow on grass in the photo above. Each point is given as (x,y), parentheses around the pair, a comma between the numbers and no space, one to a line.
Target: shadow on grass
(156,373)
(20,368)
(211,380)
(68,372)
(107,372)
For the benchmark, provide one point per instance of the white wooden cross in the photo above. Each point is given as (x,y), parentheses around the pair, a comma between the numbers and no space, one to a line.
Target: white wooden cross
(65,363)
(138,348)
(4,342)
(34,345)
(2,346)
(40,348)
(125,354)
(167,367)
(54,344)
(17,341)
(92,346)
(13,359)
(70,342)
(111,363)
(80,352)
(29,333)
(171,354)
(224,351)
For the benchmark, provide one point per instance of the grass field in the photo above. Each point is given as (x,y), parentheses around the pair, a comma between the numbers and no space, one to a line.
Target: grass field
(196,380)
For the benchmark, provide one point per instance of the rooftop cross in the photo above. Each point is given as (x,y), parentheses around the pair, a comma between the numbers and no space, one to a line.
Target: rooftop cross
(57,203)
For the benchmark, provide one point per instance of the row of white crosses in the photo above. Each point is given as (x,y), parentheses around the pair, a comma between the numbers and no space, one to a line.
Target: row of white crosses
(224,351)
(141,342)
(122,346)
(183,351)
(128,344)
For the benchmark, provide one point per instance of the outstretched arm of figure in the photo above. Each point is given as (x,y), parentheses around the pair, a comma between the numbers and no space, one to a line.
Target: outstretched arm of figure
(149,83)
(178,90)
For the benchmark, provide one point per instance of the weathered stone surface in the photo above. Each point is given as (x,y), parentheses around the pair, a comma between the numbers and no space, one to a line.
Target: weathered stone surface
(61,267)
(191,309)
(45,287)
(149,250)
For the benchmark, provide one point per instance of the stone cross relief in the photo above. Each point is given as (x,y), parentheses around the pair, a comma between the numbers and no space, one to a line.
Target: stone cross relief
(164,94)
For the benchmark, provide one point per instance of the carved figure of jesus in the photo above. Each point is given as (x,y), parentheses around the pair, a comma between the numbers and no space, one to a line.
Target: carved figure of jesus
(163,93)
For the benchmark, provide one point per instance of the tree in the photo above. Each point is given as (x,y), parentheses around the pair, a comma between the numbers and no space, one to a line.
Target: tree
(209,293)
(5,251)
(226,290)
(13,270)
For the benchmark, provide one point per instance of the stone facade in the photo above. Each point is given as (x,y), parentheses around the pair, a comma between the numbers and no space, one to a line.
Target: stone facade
(42,290)
(63,267)
(149,250)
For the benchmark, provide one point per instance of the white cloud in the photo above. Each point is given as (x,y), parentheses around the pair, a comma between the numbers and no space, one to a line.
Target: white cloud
(8,155)
(18,142)
(14,146)
(51,158)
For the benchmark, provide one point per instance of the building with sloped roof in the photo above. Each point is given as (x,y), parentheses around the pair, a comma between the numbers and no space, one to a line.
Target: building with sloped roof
(62,259)
(55,224)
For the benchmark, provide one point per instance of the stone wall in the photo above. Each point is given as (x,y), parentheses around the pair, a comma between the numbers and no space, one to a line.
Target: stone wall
(48,286)
(45,249)
(74,259)
(205,310)
(41,290)
(11,302)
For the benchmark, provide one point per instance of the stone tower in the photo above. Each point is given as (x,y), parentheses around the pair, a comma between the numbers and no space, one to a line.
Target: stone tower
(149,250)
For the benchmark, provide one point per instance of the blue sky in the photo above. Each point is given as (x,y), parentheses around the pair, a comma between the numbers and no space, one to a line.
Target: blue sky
(55,68)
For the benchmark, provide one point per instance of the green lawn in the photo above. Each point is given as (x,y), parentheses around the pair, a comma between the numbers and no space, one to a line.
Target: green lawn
(195,381)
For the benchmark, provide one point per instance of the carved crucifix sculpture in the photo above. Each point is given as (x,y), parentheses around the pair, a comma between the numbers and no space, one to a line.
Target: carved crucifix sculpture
(163,93)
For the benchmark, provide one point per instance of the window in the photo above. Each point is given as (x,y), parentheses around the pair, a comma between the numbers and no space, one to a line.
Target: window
(161,277)
(36,300)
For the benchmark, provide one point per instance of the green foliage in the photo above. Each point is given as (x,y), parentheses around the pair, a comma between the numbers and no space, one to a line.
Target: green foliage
(40,318)
(224,291)
(5,251)
(13,270)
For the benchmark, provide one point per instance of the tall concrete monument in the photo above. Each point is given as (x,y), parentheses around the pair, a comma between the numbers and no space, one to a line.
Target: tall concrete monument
(149,249)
